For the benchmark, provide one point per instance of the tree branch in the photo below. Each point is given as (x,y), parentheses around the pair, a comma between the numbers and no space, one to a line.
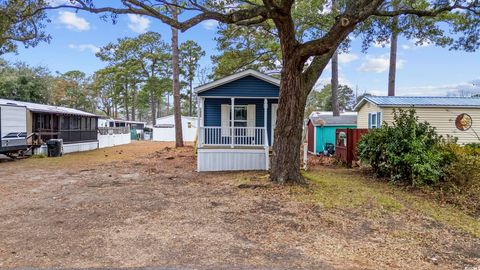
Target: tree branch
(245,16)
(473,7)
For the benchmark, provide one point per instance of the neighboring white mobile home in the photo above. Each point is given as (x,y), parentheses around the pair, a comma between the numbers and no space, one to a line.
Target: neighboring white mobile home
(164,129)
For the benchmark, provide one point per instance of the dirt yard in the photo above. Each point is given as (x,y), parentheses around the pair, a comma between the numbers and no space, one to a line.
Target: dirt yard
(143,205)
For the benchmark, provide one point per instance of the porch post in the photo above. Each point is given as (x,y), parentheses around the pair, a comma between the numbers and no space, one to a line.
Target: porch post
(200,121)
(232,123)
(265,121)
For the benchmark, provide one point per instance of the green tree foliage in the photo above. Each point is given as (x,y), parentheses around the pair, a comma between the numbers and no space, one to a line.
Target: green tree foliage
(22,82)
(107,91)
(132,63)
(244,48)
(190,54)
(407,150)
(74,89)
(322,100)
(21,21)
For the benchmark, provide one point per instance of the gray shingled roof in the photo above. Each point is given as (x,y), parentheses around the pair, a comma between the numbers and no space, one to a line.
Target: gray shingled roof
(322,119)
(385,101)
(35,107)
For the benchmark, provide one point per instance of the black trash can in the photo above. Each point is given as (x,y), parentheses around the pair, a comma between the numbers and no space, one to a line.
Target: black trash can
(55,147)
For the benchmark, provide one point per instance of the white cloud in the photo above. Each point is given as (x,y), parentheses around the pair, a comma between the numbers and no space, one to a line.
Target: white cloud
(138,24)
(73,21)
(60,2)
(378,64)
(416,44)
(347,57)
(84,47)
(210,24)
(455,89)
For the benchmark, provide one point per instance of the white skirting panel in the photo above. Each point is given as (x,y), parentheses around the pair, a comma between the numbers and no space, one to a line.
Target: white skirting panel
(69,148)
(113,140)
(231,160)
(79,147)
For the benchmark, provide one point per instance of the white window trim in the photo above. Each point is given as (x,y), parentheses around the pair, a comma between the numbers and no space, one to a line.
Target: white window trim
(373,124)
(377,122)
(246,114)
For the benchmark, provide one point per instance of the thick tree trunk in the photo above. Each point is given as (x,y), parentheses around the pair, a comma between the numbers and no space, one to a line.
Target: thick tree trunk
(126,101)
(153,107)
(168,104)
(176,83)
(334,80)
(288,131)
(191,98)
(134,102)
(335,106)
(393,57)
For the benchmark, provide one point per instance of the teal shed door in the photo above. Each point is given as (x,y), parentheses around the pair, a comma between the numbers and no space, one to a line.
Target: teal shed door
(327,135)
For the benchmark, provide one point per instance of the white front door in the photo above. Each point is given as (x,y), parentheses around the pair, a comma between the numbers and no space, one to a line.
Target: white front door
(274,120)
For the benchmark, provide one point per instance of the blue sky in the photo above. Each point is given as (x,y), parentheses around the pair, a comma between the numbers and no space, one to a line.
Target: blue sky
(422,70)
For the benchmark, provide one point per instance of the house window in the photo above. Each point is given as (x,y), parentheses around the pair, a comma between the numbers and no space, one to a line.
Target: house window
(240,116)
(374,120)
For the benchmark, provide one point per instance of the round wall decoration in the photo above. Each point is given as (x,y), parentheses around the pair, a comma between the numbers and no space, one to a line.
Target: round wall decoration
(463,122)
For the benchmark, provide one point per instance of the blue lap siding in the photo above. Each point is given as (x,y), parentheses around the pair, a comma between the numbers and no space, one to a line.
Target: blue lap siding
(246,91)
(248,86)
(212,111)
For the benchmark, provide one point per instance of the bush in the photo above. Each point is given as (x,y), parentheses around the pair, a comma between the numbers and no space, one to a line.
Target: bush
(461,165)
(405,151)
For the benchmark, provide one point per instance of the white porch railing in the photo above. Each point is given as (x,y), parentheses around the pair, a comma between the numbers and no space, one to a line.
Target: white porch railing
(236,136)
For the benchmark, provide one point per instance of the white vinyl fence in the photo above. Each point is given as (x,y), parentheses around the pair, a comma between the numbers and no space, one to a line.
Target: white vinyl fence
(108,137)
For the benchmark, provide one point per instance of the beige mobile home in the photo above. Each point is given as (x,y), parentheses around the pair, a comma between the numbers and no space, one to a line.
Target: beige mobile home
(454,116)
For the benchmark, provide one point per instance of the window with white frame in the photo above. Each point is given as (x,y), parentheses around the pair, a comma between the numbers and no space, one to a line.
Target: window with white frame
(374,120)
(240,116)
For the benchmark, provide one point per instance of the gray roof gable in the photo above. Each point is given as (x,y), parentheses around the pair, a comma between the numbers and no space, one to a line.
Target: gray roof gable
(323,119)
(35,107)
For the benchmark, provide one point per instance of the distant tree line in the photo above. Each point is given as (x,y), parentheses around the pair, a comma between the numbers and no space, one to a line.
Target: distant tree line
(136,83)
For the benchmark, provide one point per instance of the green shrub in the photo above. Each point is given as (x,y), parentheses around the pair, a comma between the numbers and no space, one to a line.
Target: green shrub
(461,165)
(405,151)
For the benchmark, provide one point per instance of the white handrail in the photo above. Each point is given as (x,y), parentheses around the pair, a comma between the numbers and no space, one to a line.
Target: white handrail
(237,136)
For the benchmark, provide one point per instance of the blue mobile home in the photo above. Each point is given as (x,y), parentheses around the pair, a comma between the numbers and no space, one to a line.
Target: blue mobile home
(237,116)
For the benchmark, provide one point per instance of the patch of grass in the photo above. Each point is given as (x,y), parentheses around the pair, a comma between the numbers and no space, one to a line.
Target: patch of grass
(339,190)
(343,189)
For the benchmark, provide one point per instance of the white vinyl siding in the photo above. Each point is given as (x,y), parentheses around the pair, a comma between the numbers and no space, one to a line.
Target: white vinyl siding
(443,119)
(364,112)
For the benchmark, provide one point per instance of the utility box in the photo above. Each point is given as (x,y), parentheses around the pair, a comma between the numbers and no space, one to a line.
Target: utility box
(55,147)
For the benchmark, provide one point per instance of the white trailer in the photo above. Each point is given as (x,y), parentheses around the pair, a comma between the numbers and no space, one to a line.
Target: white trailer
(13,128)
(164,130)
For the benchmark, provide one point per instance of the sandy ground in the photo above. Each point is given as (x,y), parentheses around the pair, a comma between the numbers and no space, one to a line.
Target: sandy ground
(143,205)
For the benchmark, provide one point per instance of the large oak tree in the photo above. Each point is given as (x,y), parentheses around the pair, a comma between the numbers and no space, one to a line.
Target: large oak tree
(21,22)
(303,60)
